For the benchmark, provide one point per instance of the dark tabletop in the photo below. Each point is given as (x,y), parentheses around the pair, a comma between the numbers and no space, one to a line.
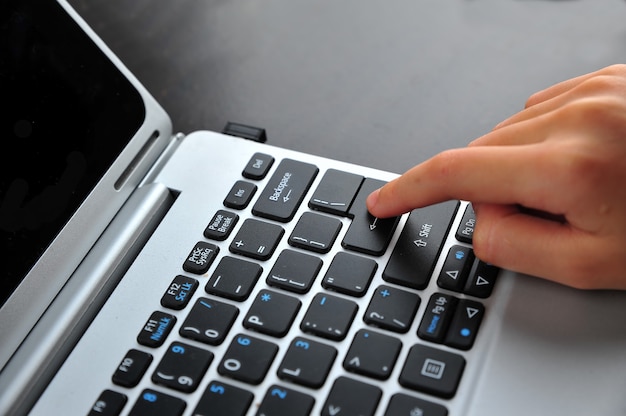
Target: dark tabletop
(384,83)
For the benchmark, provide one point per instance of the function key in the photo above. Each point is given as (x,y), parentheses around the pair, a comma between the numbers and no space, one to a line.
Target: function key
(258,166)
(285,190)
(414,257)
(156,329)
(240,195)
(221,225)
(179,293)
(368,234)
(432,371)
(336,192)
(132,368)
(200,258)
(109,403)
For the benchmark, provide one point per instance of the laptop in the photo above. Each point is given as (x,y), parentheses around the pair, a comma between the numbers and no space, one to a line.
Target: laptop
(148,272)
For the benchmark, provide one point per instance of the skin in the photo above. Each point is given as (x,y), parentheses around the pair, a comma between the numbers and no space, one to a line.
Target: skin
(548,184)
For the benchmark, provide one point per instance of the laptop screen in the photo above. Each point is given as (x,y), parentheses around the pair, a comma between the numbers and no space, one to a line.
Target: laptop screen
(67,114)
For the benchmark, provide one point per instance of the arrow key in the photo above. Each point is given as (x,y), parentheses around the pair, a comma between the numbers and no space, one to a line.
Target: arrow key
(456,268)
(465,324)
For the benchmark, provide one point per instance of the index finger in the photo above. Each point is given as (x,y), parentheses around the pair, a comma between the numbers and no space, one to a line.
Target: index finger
(489,174)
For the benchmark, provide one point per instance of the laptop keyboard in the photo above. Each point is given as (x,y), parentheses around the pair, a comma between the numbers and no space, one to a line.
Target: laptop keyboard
(203,307)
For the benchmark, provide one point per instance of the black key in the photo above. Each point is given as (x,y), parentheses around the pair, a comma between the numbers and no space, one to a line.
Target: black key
(482,279)
(109,403)
(402,404)
(209,321)
(315,232)
(179,293)
(240,195)
(372,354)
(465,232)
(257,239)
(132,368)
(456,268)
(351,397)
(221,399)
(307,362)
(221,225)
(281,401)
(155,403)
(329,317)
(392,309)
(415,255)
(285,190)
(432,371)
(465,324)
(258,166)
(156,329)
(350,274)
(368,234)
(437,317)
(272,313)
(248,359)
(182,367)
(200,258)
(234,278)
(335,192)
(294,271)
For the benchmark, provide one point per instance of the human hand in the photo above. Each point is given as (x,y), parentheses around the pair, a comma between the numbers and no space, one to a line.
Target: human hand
(548,184)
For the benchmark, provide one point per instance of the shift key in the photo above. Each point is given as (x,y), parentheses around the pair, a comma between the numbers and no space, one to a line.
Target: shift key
(368,234)
(413,259)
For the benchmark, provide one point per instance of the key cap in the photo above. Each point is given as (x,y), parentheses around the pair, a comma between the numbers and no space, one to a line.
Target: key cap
(482,280)
(182,367)
(465,232)
(200,258)
(281,401)
(437,317)
(368,234)
(272,313)
(465,324)
(372,354)
(315,232)
(294,271)
(258,166)
(285,190)
(221,399)
(307,362)
(432,371)
(156,329)
(209,321)
(240,195)
(233,278)
(402,404)
(109,403)
(335,192)
(179,293)
(221,225)
(329,316)
(392,309)
(351,397)
(256,239)
(154,403)
(248,359)
(350,274)
(413,259)
(132,368)
(456,268)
